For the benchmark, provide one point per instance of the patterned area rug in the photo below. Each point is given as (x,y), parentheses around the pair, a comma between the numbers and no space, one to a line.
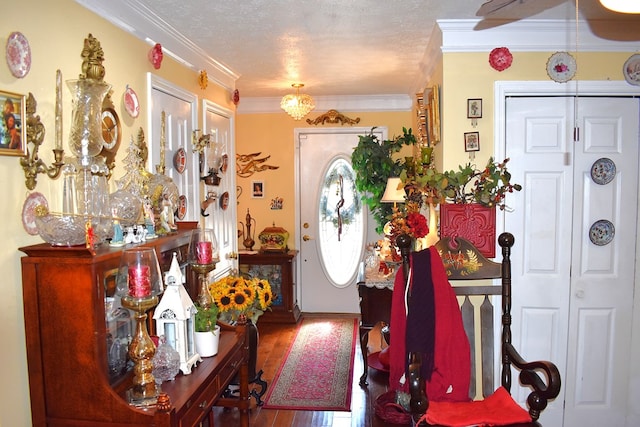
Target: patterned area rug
(317,372)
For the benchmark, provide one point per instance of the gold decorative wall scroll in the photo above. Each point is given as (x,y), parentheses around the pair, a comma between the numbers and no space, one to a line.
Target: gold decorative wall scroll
(248,164)
(332,117)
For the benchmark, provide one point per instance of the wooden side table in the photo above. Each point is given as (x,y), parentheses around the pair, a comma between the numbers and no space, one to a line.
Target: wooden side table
(279,269)
(375,307)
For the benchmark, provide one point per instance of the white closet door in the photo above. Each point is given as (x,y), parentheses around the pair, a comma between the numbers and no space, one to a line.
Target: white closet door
(573,298)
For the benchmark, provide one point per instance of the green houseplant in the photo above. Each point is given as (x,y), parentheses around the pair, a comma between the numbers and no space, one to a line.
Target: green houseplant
(373,162)
(207,332)
(487,186)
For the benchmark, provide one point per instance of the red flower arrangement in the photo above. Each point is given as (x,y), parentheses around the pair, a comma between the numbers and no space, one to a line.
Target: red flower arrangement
(410,222)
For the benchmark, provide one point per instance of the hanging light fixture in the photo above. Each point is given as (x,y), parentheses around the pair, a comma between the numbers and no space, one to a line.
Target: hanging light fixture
(622,6)
(297,105)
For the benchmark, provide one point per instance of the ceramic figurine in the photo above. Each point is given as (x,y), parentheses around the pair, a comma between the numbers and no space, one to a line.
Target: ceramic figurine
(118,235)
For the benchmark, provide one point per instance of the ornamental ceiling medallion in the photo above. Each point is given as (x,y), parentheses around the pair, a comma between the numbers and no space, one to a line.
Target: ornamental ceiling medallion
(332,117)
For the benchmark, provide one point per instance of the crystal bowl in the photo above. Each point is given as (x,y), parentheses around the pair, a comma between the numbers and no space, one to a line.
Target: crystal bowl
(60,229)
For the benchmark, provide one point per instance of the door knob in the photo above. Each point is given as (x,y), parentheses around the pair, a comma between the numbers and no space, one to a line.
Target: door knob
(232,255)
(306,237)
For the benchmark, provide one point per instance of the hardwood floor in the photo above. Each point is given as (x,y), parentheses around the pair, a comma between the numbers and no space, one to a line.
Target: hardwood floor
(275,340)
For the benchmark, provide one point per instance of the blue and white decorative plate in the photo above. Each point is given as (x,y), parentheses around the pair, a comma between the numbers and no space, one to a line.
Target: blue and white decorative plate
(602,232)
(603,171)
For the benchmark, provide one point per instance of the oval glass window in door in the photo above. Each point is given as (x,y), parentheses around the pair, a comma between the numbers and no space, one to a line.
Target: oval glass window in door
(341,224)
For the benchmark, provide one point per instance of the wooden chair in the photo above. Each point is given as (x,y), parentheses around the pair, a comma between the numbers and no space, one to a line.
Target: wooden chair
(462,261)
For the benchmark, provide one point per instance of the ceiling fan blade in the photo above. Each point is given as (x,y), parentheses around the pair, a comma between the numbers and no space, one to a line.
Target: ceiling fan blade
(493,6)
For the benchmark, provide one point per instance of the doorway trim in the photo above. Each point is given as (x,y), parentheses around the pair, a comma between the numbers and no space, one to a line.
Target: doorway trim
(361,130)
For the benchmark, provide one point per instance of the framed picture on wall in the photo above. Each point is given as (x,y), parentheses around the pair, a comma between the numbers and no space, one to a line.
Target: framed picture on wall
(471,141)
(257,189)
(474,108)
(13,135)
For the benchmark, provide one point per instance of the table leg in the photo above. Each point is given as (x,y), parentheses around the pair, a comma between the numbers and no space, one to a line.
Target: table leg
(364,342)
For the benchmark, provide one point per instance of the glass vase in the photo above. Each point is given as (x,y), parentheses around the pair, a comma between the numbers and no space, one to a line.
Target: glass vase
(85,134)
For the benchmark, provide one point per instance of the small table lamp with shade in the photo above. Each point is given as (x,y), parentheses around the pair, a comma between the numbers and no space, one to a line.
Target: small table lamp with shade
(394,191)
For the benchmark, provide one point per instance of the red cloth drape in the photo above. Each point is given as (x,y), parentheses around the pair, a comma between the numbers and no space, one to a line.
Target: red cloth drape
(451,360)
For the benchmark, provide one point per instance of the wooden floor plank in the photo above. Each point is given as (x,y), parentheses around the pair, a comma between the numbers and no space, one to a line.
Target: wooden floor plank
(274,342)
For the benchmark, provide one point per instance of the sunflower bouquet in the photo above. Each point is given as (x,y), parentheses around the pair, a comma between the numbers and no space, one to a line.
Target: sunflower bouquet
(236,295)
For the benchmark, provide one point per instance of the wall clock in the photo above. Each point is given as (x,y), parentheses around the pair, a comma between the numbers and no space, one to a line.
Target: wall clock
(111,130)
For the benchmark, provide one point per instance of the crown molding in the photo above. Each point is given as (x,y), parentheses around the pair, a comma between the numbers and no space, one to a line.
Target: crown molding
(361,103)
(530,35)
(135,18)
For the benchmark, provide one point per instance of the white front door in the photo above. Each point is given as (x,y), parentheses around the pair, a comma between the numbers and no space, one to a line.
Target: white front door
(332,220)
(573,280)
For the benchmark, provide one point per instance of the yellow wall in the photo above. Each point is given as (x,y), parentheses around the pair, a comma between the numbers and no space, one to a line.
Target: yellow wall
(469,75)
(273,135)
(56,30)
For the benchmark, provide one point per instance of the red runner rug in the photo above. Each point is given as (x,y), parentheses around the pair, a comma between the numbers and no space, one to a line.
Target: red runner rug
(318,369)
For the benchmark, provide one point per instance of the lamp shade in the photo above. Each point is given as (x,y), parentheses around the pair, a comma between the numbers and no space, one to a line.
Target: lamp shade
(394,191)
(622,6)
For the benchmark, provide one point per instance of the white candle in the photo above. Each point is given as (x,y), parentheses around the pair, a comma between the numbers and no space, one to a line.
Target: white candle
(58,111)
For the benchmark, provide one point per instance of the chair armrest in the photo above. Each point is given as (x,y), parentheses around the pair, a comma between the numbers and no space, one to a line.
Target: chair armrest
(529,375)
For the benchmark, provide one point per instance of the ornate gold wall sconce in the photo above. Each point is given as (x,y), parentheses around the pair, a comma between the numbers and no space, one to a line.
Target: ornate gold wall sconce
(32,164)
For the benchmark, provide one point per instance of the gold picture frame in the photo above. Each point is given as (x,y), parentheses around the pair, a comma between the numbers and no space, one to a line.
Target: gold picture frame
(433,117)
(13,134)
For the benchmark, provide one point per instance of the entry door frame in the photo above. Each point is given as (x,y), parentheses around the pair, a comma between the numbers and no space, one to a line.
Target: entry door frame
(296,166)
(506,89)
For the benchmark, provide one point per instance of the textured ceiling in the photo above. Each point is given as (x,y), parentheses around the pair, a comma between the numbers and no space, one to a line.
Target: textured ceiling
(334,47)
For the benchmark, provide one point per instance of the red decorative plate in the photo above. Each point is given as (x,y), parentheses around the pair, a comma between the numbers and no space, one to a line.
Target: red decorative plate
(224,201)
(500,58)
(180,160)
(18,54)
(182,207)
(131,103)
(34,200)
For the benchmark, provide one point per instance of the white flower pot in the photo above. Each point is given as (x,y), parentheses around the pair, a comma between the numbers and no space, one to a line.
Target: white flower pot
(207,342)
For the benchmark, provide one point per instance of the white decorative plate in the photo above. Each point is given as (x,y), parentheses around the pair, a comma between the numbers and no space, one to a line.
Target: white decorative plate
(34,200)
(631,70)
(18,54)
(561,67)
(131,103)
(603,171)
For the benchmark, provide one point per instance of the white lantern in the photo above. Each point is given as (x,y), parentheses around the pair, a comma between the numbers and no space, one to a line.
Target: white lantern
(175,318)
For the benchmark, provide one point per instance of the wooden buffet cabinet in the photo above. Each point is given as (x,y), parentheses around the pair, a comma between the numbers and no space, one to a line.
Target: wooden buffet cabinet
(278,268)
(64,290)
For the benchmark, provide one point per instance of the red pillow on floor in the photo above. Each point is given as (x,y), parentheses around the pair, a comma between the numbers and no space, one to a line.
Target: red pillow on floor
(499,409)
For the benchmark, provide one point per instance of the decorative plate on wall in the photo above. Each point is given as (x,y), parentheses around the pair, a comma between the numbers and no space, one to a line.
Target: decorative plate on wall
(131,103)
(180,160)
(18,54)
(34,200)
(500,58)
(603,171)
(561,67)
(602,232)
(631,70)
(182,207)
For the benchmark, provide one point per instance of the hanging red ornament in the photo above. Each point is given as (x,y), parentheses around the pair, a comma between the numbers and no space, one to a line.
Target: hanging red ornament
(155,56)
